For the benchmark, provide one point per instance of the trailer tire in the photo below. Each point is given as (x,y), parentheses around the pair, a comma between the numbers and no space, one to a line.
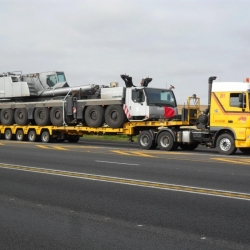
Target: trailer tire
(188,147)
(21,116)
(225,144)
(20,135)
(146,141)
(32,136)
(115,116)
(42,116)
(166,141)
(46,137)
(7,116)
(73,138)
(8,134)
(56,116)
(94,116)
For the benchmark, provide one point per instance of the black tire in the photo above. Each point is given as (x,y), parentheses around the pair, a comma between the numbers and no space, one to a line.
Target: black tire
(115,116)
(7,116)
(21,117)
(46,137)
(32,136)
(0,116)
(42,116)
(245,151)
(146,141)
(73,138)
(188,147)
(56,116)
(166,141)
(20,135)
(8,134)
(225,144)
(94,116)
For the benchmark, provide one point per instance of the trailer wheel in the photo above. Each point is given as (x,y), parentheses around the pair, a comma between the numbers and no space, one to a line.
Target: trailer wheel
(8,134)
(245,151)
(146,141)
(225,144)
(20,135)
(21,117)
(188,147)
(32,136)
(166,141)
(46,137)
(115,116)
(56,116)
(7,116)
(42,117)
(94,116)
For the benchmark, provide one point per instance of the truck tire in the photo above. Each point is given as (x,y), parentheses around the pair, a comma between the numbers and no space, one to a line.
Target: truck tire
(20,135)
(7,116)
(146,141)
(8,134)
(225,144)
(32,136)
(46,137)
(56,116)
(166,141)
(21,117)
(42,117)
(94,116)
(115,116)
(73,138)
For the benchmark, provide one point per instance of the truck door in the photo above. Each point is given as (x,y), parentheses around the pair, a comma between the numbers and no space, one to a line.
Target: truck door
(136,103)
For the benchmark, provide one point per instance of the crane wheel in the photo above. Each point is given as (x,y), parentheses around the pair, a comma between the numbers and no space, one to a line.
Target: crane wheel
(56,116)
(42,116)
(21,116)
(115,116)
(94,116)
(7,116)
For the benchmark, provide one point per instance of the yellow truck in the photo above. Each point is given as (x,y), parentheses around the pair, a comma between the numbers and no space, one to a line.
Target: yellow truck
(224,125)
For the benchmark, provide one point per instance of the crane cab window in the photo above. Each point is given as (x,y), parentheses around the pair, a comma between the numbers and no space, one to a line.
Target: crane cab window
(51,80)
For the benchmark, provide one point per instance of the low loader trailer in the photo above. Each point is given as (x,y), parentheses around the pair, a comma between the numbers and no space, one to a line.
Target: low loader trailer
(224,125)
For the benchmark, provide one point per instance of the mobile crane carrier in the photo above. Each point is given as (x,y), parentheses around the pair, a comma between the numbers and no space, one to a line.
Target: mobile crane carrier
(43,107)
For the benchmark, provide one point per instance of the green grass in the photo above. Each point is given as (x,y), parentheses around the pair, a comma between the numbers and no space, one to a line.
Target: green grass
(108,137)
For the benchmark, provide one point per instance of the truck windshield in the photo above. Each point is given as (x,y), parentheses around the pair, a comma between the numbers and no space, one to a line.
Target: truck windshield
(61,77)
(160,97)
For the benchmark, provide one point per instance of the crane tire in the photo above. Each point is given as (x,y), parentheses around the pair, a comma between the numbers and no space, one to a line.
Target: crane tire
(21,116)
(7,116)
(94,116)
(42,116)
(56,116)
(115,116)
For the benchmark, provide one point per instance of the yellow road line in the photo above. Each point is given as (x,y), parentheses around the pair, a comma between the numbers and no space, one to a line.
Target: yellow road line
(120,152)
(59,148)
(145,155)
(236,161)
(148,184)
(41,146)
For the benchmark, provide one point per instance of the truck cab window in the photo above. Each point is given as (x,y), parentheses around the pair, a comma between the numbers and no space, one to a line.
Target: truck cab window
(234,100)
(138,95)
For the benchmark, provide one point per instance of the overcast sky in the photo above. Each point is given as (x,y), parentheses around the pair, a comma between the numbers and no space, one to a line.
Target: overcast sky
(175,42)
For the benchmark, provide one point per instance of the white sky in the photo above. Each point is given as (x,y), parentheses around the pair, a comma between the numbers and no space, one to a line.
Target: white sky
(175,42)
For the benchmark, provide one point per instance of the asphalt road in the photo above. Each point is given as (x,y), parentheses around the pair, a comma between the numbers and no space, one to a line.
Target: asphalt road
(106,195)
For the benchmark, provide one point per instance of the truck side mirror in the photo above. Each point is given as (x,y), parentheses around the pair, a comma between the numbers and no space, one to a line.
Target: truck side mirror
(242,100)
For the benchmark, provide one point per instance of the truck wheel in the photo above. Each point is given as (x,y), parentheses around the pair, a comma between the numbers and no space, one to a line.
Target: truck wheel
(42,117)
(56,116)
(8,134)
(94,116)
(189,147)
(32,136)
(46,137)
(115,116)
(146,141)
(245,151)
(166,141)
(20,135)
(7,116)
(225,144)
(21,117)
